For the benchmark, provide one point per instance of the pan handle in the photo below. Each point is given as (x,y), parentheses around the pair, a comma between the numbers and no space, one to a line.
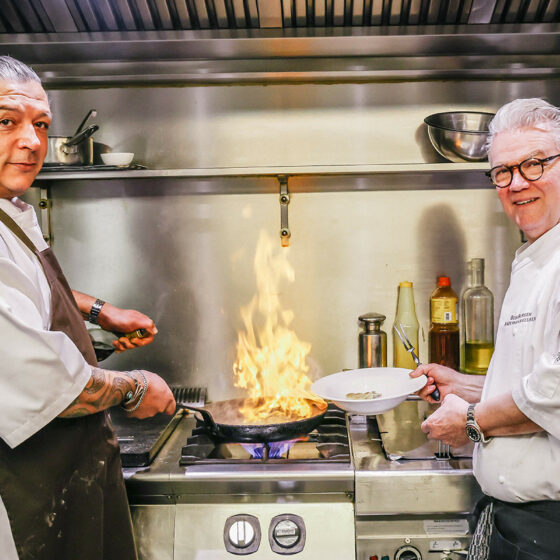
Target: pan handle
(207,417)
(83,135)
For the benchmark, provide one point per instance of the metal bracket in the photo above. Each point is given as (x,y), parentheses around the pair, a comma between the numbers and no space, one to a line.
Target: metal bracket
(285,233)
(45,204)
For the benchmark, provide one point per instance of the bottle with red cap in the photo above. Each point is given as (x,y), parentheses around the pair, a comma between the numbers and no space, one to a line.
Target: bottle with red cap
(443,337)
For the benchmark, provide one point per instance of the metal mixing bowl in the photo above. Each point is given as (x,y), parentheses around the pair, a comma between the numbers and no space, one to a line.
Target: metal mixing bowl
(460,136)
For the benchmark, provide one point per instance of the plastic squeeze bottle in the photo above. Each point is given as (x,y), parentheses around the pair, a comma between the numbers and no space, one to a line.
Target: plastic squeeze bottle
(405,317)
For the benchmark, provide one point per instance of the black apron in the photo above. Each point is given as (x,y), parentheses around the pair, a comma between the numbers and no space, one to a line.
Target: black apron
(525,531)
(63,487)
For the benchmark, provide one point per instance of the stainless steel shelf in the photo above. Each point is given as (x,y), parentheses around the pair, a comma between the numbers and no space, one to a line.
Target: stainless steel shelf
(319,178)
(273,171)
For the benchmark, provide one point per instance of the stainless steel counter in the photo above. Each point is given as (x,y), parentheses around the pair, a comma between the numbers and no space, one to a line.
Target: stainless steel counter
(403,486)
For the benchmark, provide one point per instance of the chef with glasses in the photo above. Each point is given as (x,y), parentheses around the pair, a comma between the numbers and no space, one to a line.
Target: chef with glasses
(513,413)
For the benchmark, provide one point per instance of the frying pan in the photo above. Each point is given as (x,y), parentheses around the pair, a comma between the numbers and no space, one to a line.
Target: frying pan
(224,421)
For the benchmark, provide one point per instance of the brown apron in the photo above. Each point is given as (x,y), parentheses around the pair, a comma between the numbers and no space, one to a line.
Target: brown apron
(63,487)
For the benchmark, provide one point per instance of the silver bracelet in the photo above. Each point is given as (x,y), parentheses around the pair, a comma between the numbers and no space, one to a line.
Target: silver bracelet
(139,393)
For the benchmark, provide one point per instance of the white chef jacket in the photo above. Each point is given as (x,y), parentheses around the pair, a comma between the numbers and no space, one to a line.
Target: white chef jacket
(41,372)
(526,361)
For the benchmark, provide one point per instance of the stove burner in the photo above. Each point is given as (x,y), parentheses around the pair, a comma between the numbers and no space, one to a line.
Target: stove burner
(273,450)
(328,442)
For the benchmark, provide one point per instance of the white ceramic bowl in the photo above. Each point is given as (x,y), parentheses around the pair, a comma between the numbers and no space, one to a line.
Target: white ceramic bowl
(394,384)
(117,158)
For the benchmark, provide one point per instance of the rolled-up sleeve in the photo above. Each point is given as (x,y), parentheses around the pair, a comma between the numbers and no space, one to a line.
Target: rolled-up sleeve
(41,371)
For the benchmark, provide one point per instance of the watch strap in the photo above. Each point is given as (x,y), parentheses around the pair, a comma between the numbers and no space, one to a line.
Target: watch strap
(93,316)
(473,424)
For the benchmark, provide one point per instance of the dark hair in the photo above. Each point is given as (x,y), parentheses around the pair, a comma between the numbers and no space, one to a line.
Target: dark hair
(15,71)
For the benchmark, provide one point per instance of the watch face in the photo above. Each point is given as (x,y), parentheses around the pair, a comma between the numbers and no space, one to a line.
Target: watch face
(473,434)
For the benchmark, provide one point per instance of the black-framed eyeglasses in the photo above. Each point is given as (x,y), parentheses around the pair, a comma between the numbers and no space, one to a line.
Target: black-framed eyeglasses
(531,169)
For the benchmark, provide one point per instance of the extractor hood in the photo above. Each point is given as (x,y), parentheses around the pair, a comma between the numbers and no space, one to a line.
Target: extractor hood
(100,42)
(72,16)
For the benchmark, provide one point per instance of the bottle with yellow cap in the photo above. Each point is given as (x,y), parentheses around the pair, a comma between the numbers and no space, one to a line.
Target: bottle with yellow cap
(405,317)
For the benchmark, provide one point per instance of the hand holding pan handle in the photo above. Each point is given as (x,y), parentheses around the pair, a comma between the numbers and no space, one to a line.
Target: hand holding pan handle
(409,348)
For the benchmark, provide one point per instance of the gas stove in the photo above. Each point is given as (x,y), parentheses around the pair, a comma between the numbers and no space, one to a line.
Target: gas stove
(326,443)
(356,488)
(204,498)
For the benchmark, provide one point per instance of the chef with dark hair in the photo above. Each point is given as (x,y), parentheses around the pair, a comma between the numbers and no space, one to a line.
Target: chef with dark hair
(62,495)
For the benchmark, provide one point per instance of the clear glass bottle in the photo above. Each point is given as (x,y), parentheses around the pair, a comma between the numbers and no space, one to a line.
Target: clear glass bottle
(443,336)
(406,317)
(468,284)
(478,313)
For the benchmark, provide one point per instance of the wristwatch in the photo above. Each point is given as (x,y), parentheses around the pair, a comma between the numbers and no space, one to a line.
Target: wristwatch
(94,311)
(474,432)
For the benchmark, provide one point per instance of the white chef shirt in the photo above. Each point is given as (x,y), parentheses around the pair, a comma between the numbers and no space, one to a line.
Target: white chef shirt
(41,371)
(526,361)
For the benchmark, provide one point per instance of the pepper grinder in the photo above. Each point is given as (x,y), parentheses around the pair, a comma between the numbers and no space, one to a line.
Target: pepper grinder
(372,341)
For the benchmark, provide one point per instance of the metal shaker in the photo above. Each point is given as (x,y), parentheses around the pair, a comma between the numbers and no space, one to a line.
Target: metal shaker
(372,341)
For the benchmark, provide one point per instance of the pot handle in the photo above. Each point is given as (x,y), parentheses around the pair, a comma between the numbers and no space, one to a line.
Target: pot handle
(207,417)
(86,133)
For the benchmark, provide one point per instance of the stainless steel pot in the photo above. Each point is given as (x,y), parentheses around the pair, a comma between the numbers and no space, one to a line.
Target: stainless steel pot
(72,150)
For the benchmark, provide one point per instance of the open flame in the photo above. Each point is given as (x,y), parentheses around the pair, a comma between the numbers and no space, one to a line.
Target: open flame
(271,360)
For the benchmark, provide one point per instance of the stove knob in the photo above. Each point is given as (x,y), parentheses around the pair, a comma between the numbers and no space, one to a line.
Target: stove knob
(241,534)
(286,533)
(408,553)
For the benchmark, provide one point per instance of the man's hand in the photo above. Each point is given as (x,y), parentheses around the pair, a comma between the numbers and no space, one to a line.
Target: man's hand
(468,387)
(158,398)
(441,376)
(115,319)
(447,423)
(107,388)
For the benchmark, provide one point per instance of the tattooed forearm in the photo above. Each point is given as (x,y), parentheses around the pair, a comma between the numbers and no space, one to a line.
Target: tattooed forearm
(104,389)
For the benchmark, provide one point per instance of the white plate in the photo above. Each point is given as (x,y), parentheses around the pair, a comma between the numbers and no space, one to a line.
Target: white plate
(394,384)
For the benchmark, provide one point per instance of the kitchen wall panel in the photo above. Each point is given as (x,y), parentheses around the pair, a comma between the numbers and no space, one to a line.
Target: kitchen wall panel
(187,259)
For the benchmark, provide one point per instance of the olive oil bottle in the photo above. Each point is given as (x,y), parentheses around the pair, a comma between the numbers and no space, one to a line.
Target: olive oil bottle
(478,316)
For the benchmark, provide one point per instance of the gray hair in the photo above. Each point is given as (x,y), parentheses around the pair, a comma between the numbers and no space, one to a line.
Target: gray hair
(15,71)
(522,113)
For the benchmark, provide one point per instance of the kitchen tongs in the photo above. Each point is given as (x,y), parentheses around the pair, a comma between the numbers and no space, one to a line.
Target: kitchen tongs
(409,348)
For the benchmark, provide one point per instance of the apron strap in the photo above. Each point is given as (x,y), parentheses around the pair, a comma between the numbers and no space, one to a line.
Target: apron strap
(11,224)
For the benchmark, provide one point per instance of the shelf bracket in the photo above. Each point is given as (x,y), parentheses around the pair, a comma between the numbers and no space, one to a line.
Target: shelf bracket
(285,233)
(45,204)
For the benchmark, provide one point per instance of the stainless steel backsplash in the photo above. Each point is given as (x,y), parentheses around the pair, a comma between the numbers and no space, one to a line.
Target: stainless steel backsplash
(187,259)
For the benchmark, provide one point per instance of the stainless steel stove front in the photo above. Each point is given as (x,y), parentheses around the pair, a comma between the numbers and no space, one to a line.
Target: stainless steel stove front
(258,510)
